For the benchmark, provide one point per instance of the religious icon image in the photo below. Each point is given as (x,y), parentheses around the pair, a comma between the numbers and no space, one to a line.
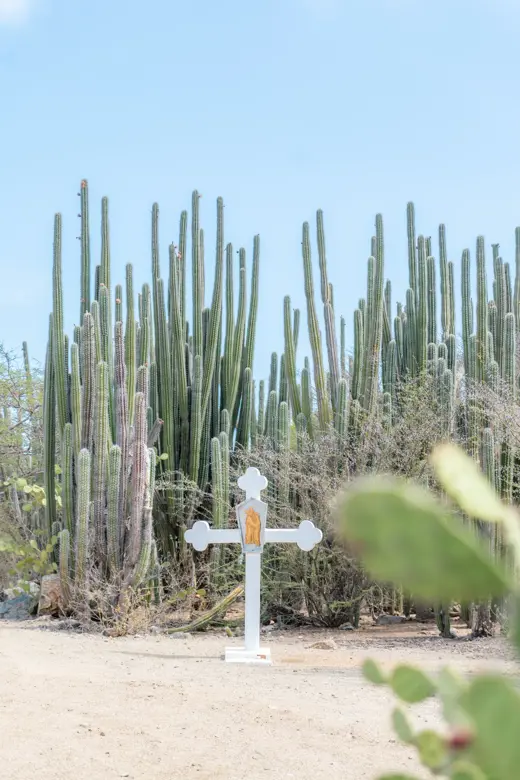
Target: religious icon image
(251,520)
(253,527)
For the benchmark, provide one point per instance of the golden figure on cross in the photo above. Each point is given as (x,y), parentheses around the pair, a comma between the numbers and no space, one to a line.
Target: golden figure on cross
(253,527)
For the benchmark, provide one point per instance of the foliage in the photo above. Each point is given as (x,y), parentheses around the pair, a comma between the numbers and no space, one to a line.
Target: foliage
(20,415)
(32,559)
(435,555)
(33,494)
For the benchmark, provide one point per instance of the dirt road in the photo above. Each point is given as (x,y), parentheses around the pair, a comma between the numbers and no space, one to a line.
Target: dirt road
(83,707)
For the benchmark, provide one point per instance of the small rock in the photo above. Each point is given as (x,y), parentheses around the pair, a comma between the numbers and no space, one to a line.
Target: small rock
(390,620)
(18,608)
(324,644)
(51,599)
(347,627)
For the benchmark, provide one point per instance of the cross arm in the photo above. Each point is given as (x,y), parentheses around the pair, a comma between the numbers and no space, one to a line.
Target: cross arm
(306,536)
(201,535)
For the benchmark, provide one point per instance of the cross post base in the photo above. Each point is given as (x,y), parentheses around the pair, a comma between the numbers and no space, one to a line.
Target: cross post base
(240,655)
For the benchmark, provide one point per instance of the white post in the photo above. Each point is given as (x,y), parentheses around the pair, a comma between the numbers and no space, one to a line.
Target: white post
(252,616)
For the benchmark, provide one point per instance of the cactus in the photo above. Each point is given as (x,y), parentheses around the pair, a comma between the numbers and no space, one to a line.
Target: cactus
(82,519)
(58,339)
(272,416)
(432,301)
(49,433)
(482,313)
(197,277)
(137,576)
(359,353)
(422,313)
(314,333)
(290,359)
(114,504)
(210,356)
(342,411)
(99,466)
(139,474)
(64,565)
(85,251)
(75,400)
(67,479)
(412,250)
(245,422)
(509,354)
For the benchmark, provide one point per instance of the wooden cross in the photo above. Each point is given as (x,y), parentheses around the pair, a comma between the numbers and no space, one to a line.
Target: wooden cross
(253,534)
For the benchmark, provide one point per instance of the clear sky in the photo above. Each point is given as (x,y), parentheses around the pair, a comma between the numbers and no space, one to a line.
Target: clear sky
(281,107)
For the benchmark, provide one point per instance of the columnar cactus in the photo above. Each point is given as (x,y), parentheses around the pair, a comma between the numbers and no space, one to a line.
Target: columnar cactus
(314,333)
(175,388)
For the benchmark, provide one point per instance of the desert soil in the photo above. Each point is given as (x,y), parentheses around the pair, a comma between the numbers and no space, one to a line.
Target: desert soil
(92,708)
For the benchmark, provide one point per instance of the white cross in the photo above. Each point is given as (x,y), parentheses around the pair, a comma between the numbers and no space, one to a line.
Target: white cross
(306,536)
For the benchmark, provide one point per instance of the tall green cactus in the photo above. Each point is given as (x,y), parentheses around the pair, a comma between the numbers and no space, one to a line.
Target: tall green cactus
(58,340)
(467,310)
(82,519)
(314,333)
(290,359)
(99,466)
(85,252)
(67,500)
(482,312)
(49,433)
(114,531)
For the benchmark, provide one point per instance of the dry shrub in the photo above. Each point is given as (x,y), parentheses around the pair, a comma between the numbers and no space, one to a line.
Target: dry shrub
(329,587)
(326,586)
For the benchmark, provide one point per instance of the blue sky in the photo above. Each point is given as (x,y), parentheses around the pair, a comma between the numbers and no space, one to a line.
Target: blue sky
(281,107)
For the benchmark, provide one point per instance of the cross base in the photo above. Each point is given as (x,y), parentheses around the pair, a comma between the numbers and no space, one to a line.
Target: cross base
(240,655)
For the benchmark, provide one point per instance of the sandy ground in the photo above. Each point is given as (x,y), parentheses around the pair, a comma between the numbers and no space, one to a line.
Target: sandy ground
(91,708)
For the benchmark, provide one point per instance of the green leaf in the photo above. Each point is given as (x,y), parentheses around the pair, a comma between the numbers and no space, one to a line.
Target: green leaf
(411,685)
(494,707)
(450,688)
(432,749)
(464,771)
(163,456)
(34,544)
(464,482)
(402,727)
(26,507)
(404,537)
(373,672)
